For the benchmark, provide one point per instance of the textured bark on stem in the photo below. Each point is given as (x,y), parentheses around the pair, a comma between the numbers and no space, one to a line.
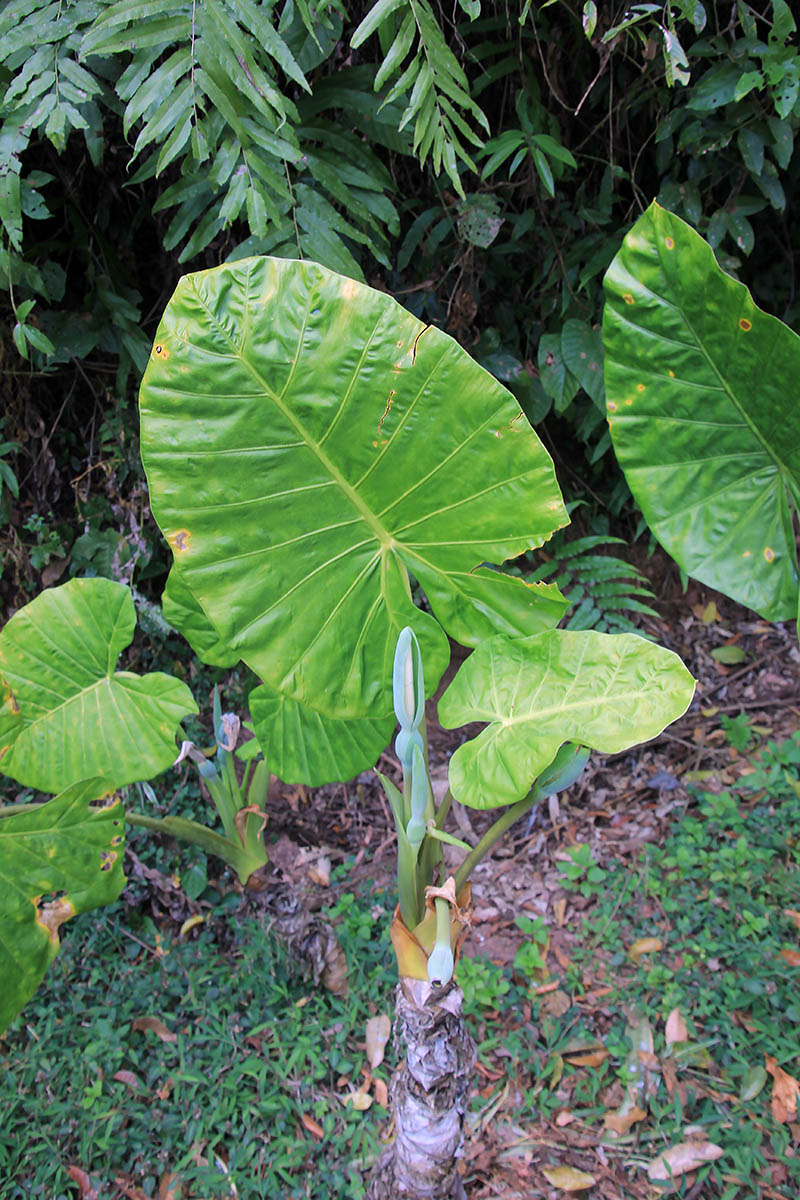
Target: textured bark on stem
(429,1094)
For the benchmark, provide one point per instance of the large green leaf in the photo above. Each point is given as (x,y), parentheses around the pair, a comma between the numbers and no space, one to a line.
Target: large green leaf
(76,717)
(184,614)
(301,745)
(702,394)
(59,860)
(308,443)
(604,691)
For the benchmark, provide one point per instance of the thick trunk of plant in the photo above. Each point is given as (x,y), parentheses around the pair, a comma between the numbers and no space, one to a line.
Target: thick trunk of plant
(310,941)
(429,1093)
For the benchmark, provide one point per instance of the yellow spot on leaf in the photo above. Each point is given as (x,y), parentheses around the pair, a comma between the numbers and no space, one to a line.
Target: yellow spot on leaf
(179,541)
(769,553)
(669,243)
(161,350)
(672,374)
(611,406)
(747,554)
(627,297)
(640,387)
(629,402)
(745,324)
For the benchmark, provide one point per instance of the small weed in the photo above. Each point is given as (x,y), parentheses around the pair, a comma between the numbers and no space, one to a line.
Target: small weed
(581,872)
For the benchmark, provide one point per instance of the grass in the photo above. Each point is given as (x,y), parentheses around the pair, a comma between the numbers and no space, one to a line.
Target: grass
(254,1053)
(250,1092)
(714,901)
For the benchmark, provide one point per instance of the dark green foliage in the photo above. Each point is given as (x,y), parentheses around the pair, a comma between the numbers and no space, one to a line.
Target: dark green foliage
(482,163)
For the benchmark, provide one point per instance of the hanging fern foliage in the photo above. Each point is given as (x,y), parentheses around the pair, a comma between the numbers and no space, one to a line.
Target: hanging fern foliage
(427,73)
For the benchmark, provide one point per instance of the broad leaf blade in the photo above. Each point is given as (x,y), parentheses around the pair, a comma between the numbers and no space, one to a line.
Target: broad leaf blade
(183,612)
(303,746)
(604,691)
(77,717)
(63,847)
(702,396)
(306,440)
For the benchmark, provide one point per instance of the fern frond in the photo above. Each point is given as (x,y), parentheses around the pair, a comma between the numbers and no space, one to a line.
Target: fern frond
(424,68)
(601,588)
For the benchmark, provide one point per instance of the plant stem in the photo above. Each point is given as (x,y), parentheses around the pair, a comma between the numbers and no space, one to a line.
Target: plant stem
(493,834)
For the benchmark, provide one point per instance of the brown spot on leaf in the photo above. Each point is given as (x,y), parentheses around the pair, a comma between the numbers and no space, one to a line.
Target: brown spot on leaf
(179,541)
(52,915)
(745,324)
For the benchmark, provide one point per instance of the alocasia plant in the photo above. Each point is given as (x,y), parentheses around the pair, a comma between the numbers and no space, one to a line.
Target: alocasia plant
(310,447)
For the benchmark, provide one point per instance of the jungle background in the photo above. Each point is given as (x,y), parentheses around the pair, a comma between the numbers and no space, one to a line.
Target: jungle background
(481,162)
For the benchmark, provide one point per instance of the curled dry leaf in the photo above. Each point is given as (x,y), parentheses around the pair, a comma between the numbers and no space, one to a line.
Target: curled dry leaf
(378,1030)
(359,1100)
(569,1179)
(675,1030)
(785,1092)
(139,1024)
(190,923)
(648,945)
(320,872)
(381,1093)
(677,1160)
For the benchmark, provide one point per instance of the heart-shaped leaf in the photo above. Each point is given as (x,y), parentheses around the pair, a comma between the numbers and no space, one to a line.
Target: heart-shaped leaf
(701,389)
(76,717)
(58,860)
(308,442)
(604,691)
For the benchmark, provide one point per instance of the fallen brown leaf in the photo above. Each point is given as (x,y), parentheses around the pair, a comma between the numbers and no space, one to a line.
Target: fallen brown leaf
(677,1160)
(555,1004)
(593,1059)
(381,1093)
(139,1024)
(312,1126)
(569,1179)
(85,1189)
(378,1030)
(129,1079)
(675,1029)
(785,1091)
(793,915)
(620,1122)
(792,957)
(648,945)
